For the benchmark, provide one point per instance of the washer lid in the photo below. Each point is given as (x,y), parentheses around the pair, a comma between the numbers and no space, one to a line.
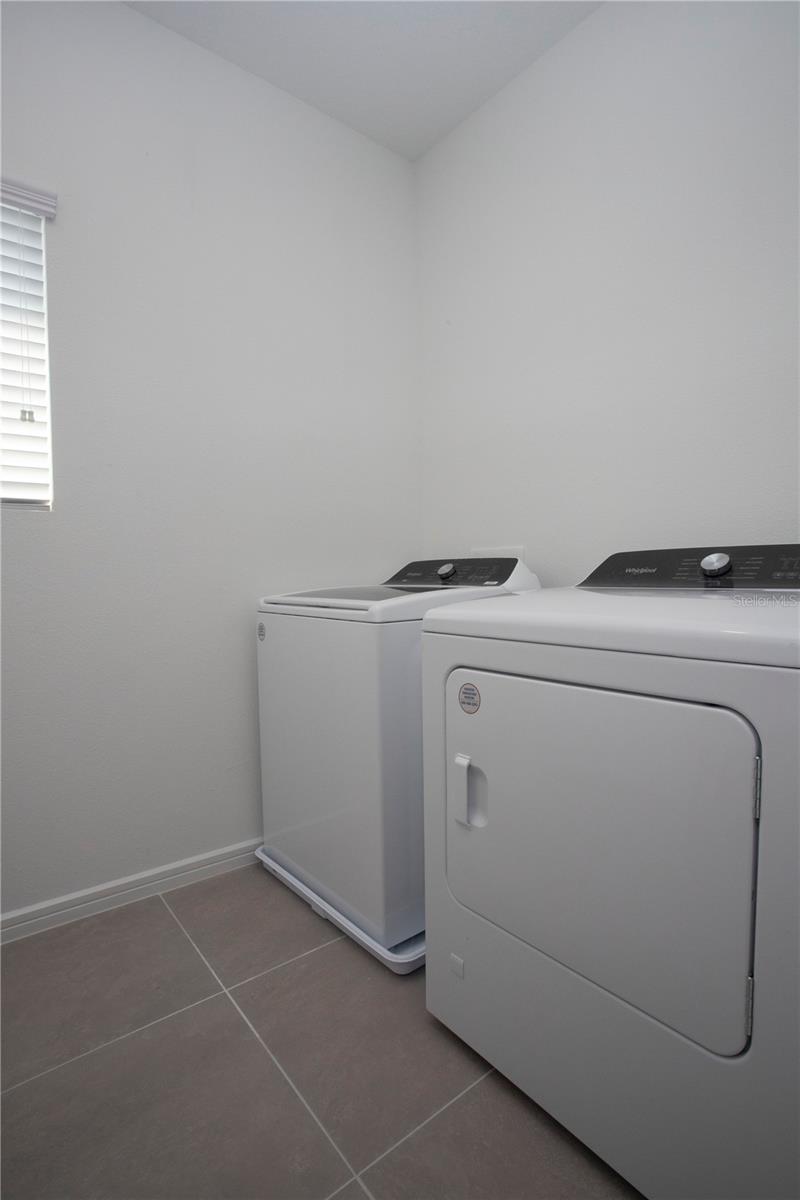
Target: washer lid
(760,627)
(370,603)
(361,597)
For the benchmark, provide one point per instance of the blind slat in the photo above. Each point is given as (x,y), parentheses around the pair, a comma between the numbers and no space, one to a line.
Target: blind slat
(41,493)
(24,284)
(20,241)
(24,381)
(27,361)
(23,349)
(19,268)
(18,272)
(20,259)
(32,322)
(13,442)
(22,301)
(17,443)
(34,460)
(17,218)
(26,426)
(23,364)
(27,474)
(32,334)
(10,410)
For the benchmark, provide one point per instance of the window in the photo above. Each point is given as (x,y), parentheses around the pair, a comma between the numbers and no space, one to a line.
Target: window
(26,474)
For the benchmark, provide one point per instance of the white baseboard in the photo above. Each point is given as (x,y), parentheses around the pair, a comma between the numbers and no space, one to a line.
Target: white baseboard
(22,922)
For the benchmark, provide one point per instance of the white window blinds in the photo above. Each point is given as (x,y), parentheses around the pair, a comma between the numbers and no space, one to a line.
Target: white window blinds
(26,459)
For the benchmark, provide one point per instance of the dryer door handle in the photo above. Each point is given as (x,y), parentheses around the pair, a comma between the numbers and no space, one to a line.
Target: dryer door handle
(467,793)
(459,790)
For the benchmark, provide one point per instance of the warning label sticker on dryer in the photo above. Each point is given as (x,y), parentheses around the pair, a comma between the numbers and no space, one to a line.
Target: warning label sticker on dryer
(469,697)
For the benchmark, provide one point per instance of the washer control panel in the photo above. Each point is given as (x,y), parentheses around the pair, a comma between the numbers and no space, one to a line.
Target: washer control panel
(454,572)
(708,567)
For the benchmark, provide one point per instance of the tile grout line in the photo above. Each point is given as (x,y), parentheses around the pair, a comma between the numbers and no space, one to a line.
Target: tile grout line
(422,1124)
(339,1190)
(258,1037)
(364,1187)
(112,1042)
(286,961)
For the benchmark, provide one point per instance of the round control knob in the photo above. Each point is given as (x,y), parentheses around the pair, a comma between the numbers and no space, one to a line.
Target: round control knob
(446,571)
(716,564)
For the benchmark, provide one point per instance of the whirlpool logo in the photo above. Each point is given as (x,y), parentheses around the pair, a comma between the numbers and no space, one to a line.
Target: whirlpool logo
(640,570)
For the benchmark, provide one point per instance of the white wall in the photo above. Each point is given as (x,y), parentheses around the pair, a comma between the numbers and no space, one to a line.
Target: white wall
(609,279)
(230,279)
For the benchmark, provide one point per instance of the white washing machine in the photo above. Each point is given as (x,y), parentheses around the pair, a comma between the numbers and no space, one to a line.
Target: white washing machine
(611,824)
(340,698)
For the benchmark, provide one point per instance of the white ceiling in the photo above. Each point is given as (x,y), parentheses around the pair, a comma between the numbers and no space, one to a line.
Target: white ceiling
(404,72)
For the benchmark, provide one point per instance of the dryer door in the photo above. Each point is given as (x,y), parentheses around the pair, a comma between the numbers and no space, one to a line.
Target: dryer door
(613,832)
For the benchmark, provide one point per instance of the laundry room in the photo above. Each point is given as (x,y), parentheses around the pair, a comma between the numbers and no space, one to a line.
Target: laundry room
(400,599)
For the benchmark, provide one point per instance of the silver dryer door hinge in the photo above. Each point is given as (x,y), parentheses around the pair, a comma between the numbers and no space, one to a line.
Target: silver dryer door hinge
(748,1007)
(757,789)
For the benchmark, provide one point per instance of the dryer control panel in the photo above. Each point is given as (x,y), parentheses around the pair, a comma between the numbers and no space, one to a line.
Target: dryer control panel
(702,567)
(454,572)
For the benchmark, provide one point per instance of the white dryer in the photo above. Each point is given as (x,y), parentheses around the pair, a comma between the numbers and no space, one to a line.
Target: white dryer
(611,822)
(340,698)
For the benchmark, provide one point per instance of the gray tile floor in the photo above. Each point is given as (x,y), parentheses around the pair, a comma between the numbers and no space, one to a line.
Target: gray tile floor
(223,1041)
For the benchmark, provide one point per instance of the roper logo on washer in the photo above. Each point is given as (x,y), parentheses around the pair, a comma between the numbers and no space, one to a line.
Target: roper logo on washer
(469,698)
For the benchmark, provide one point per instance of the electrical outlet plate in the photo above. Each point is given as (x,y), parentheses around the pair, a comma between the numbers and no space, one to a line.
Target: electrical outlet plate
(499,552)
